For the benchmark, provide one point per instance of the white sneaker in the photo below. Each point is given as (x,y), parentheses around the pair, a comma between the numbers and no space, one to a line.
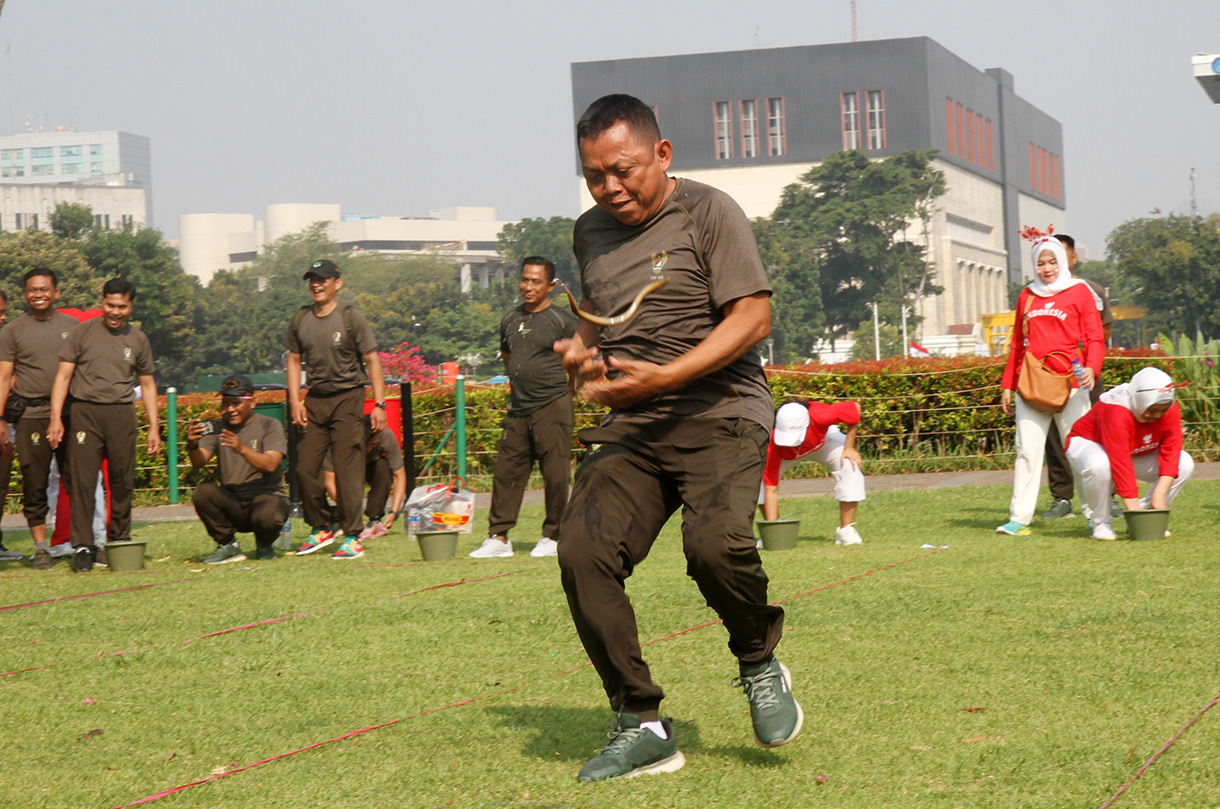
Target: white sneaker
(848,535)
(1104,532)
(58,551)
(493,548)
(545,547)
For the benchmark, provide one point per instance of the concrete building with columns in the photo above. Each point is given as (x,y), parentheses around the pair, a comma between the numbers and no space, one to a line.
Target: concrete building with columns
(468,236)
(752,122)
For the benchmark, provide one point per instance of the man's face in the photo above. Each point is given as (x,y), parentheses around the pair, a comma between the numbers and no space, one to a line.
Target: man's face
(236,410)
(40,294)
(626,173)
(1071,256)
(534,285)
(116,308)
(323,290)
(3,311)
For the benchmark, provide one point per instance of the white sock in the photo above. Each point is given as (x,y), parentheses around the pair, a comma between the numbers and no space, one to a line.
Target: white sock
(657,728)
(40,545)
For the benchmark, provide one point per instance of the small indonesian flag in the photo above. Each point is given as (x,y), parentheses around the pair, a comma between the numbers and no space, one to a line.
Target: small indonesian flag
(916,350)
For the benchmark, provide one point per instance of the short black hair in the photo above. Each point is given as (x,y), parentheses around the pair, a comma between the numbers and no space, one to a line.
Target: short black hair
(37,271)
(540,261)
(3,296)
(1066,240)
(119,286)
(609,110)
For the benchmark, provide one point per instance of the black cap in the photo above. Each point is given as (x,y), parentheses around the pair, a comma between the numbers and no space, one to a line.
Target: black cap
(323,268)
(237,385)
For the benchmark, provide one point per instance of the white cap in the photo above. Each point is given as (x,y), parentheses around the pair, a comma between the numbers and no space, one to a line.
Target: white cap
(791,424)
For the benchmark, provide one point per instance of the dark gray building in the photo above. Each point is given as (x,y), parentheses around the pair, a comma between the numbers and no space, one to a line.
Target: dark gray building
(750,122)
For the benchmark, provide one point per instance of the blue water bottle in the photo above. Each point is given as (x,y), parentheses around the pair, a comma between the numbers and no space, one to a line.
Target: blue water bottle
(1078,369)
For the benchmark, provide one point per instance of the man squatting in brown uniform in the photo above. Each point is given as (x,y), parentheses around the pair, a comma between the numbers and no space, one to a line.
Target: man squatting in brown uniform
(249,448)
(29,359)
(332,412)
(99,366)
(690,413)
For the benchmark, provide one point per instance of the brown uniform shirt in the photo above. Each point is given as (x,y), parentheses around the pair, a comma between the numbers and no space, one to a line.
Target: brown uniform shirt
(332,360)
(107,362)
(261,434)
(32,346)
(701,241)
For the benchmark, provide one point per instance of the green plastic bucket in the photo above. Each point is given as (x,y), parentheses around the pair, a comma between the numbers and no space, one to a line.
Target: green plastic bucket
(1147,524)
(125,557)
(778,535)
(437,546)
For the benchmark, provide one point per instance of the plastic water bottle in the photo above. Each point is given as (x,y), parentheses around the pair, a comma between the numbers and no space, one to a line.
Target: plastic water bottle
(285,540)
(412,523)
(1078,369)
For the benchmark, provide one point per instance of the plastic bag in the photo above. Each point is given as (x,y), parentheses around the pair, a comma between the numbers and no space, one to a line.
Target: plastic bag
(441,507)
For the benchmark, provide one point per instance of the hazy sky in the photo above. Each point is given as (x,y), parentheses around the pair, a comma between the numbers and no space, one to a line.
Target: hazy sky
(395,107)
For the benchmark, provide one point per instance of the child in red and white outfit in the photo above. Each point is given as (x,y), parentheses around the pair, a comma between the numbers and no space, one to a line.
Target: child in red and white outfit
(1134,433)
(810,432)
(1056,313)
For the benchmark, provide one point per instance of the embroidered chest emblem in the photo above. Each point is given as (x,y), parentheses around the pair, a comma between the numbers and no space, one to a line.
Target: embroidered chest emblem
(1147,438)
(63,335)
(336,337)
(521,328)
(658,262)
(127,353)
(254,444)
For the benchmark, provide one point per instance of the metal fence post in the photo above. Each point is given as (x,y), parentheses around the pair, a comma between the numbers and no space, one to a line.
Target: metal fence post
(460,424)
(408,433)
(171,429)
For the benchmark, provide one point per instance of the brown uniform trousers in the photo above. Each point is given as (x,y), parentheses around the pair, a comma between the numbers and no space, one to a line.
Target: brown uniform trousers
(545,435)
(625,491)
(97,430)
(34,458)
(335,422)
(224,515)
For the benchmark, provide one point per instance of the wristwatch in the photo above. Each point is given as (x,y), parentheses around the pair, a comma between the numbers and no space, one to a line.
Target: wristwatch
(379,405)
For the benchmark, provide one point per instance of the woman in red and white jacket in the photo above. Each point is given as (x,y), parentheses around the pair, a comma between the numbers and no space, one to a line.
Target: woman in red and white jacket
(1134,433)
(1055,313)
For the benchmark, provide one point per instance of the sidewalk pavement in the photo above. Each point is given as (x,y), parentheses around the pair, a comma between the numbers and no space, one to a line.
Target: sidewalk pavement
(808,487)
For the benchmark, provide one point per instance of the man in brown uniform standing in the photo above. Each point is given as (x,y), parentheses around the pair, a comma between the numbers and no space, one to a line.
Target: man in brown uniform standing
(29,359)
(690,415)
(332,339)
(100,364)
(249,448)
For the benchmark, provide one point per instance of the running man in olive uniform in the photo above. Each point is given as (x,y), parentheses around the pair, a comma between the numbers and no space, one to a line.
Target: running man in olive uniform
(29,359)
(100,364)
(331,342)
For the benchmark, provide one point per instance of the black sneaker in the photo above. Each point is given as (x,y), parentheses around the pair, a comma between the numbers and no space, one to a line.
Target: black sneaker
(264,552)
(42,559)
(634,751)
(82,560)
(775,713)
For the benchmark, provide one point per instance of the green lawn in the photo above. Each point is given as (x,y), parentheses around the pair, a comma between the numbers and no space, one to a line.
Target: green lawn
(1001,672)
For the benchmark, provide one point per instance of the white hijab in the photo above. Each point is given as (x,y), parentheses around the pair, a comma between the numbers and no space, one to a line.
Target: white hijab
(1150,386)
(1065,279)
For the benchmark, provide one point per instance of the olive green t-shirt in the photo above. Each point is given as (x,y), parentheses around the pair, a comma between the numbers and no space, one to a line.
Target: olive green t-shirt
(261,434)
(107,362)
(702,242)
(332,360)
(535,371)
(32,345)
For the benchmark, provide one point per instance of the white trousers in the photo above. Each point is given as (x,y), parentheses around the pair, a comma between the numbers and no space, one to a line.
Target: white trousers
(1032,426)
(849,480)
(1091,467)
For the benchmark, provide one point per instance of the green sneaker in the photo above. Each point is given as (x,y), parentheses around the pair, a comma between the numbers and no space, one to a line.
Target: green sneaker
(1014,529)
(634,751)
(1058,510)
(264,552)
(226,553)
(776,714)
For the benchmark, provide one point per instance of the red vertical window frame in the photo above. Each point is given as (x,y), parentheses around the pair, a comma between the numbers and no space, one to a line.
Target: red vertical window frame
(978,136)
(961,131)
(970,136)
(990,162)
(950,128)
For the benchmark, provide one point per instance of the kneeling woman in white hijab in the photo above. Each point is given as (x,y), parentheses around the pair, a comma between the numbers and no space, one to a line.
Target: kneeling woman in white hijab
(1134,433)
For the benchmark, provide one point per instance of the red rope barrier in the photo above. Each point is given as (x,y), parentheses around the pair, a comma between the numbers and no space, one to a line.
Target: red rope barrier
(91,595)
(1158,753)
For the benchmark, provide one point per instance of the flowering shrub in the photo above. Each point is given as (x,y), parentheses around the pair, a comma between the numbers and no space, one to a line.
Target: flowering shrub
(405,362)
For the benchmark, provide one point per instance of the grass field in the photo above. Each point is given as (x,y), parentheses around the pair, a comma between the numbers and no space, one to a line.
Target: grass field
(1000,672)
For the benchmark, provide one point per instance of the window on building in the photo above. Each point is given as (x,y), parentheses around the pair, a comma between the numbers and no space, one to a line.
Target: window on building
(95,159)
(969,136)
(33,221)
(850,110)
(18,221)
(777,134)
(876,119)
(990,162)
(724,131)
(961,131)
(42,161)
(12,162)
(71,160)
(950,128)
(978,135)
(749,128)
(1033,167)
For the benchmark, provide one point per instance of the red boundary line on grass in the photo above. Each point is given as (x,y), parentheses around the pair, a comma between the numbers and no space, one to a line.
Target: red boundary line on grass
(171,791)
(91,595)
(1160,752)
(269,621)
